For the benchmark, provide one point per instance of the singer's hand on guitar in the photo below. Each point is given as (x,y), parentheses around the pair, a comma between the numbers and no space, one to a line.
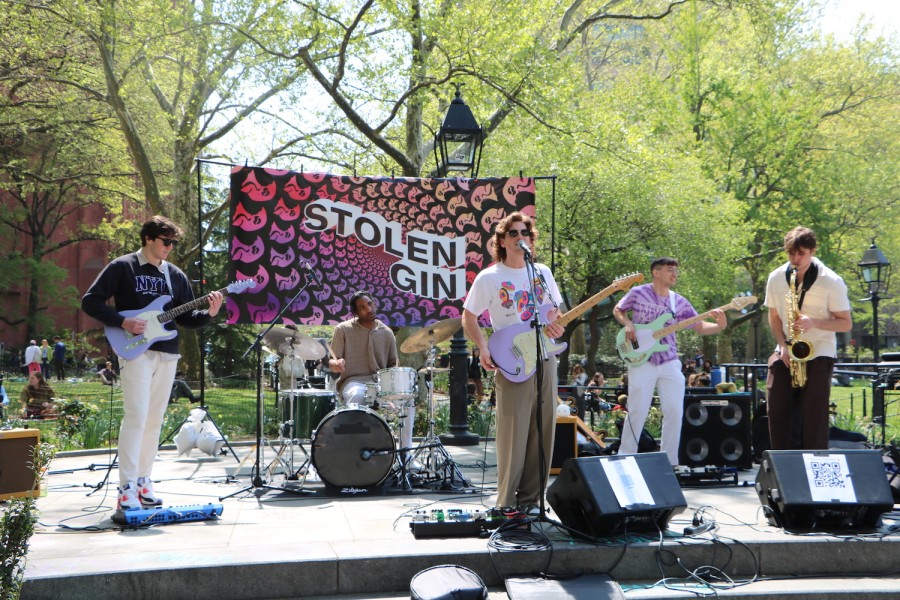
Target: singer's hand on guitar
(554,330)
(215,302)
(484,357)
(134,326)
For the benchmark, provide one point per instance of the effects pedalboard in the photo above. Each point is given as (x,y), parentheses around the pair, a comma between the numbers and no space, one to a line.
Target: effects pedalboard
(168,514)
(456,522)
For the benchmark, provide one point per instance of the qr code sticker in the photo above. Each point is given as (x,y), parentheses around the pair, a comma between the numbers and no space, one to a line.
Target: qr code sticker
(827,474)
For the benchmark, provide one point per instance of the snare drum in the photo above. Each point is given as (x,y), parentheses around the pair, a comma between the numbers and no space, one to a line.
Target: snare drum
(310,407)
(398,383)
(352,448)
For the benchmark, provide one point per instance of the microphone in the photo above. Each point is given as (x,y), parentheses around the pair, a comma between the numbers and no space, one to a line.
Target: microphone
(521,244)
(313,275)
(366,454)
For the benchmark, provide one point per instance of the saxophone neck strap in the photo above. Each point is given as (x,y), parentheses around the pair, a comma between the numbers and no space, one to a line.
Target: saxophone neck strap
(808,279)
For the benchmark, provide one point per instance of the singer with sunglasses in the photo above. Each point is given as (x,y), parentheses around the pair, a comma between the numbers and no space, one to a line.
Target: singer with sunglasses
(133,281)
(504,291)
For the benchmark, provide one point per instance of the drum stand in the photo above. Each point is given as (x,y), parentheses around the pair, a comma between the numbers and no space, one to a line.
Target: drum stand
(288,442)
(441,471)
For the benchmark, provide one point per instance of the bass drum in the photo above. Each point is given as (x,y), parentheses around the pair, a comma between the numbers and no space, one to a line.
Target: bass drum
(352,448)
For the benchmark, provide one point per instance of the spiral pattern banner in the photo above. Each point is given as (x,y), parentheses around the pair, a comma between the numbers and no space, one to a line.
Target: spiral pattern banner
(415,244)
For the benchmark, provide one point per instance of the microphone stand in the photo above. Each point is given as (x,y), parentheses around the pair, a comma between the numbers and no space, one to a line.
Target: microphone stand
(541,353)
(257,481)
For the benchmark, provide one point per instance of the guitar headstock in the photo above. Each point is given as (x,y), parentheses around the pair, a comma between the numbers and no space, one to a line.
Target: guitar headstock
(241,286)
(742,302)
(623,282)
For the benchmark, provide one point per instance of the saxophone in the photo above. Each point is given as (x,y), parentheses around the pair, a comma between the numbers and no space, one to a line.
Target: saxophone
(799,349)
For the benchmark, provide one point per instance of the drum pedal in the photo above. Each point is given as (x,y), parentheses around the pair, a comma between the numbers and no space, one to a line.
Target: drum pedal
(455,522)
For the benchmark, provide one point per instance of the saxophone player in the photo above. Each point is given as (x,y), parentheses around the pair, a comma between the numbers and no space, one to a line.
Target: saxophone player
(799,382)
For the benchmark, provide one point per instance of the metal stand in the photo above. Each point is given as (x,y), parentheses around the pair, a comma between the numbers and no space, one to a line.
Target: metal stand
(441,471)
(257,482)
(208,417)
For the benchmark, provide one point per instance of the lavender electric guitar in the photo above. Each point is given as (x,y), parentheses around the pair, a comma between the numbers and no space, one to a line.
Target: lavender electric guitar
(130,346)
(513,348)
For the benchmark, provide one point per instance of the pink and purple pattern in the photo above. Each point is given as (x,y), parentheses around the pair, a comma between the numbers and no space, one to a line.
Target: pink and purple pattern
(403,239)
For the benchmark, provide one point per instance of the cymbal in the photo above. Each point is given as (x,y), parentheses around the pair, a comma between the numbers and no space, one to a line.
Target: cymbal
(291,341)
(431,334)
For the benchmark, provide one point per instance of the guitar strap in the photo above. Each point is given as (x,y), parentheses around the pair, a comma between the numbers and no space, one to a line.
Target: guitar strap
(672,304)
(809,278)
(165,266)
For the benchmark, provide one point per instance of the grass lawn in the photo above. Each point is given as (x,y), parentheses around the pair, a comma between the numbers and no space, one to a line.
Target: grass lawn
(97,411)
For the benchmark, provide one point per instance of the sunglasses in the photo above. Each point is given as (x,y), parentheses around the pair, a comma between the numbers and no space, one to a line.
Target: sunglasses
(168,242)
(514,233)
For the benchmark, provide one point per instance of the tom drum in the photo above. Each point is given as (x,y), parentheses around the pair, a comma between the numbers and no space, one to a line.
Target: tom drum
(309,408)
(398,383)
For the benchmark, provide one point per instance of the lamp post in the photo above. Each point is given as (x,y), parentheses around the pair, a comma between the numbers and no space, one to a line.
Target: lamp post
(457,147)
(874,272)
(457,144)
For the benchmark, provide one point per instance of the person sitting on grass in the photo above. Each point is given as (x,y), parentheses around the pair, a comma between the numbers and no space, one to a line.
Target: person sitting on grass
(37,397)
(107,374)
(180,389)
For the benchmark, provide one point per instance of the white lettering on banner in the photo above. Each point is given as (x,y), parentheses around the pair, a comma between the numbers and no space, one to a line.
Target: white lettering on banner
(430,266)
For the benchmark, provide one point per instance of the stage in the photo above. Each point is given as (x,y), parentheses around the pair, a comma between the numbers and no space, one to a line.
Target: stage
(277,544)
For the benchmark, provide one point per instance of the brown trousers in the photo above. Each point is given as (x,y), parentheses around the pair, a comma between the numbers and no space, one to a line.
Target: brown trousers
(519,474)
(798,417)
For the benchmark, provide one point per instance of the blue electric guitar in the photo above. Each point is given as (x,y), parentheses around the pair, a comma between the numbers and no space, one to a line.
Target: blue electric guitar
(649,334)
(130,346)
(513,348)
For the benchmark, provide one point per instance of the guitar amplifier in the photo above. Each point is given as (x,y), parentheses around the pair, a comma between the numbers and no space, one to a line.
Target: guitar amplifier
(17,480)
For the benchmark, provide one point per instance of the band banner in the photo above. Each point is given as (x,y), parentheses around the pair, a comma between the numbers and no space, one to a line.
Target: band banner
(415,244)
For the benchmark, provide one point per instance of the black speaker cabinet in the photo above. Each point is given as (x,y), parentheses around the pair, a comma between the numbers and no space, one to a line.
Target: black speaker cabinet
(587,500)
(17,480)
(716,431)
(824,489)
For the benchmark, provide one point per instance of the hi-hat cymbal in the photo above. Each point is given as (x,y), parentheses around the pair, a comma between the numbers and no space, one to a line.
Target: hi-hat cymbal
(291,341)
(431,334)
(304,348)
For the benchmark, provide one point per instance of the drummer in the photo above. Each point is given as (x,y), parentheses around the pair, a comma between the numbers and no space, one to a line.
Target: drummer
(361,347)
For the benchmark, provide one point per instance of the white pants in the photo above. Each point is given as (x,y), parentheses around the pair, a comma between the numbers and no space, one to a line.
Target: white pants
(668,380)
(354,393)
(146,387)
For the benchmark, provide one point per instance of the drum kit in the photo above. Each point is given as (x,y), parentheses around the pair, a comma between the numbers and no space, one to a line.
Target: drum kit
(353,448)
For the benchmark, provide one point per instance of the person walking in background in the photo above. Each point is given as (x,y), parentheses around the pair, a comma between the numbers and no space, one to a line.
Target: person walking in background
(662,372)
(59,358)
(134,281)
(798,413)
(33,357)
(46,353)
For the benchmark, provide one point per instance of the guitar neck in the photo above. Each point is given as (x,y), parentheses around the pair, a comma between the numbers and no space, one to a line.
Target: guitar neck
(676,327)
(585,306)
(165,317)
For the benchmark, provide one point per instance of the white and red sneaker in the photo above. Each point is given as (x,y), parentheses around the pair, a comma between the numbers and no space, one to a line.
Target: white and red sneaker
(128,498)
(145,493)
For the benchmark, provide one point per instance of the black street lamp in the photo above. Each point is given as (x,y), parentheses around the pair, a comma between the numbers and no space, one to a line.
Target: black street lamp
(457,147)
(874,277)
(457,144)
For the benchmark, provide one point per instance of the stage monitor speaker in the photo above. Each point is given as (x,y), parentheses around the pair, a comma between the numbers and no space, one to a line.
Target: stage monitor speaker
(17,480)
(608,495)
(823,489)
(716,431)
